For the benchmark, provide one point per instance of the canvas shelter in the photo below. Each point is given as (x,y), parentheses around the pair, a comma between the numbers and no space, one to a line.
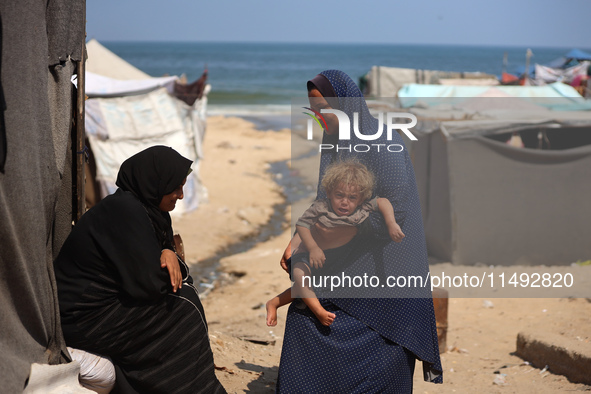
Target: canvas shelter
(128,111)
(487,201)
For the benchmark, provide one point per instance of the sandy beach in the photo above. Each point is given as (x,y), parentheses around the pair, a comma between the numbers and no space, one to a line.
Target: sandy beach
(243,196)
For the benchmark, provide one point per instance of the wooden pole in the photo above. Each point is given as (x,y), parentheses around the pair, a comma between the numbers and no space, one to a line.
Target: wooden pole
(528,56)
(81,148)
(440,303)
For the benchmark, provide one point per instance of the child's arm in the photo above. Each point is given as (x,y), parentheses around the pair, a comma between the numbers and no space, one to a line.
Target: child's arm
(387,211)
(316,254)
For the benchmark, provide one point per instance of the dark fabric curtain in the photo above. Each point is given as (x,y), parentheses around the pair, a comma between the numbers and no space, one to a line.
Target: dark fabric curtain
(40,42)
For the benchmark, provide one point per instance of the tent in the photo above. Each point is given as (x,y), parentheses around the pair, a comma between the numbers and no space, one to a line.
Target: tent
(486,201)
(544,74)
(573,58)
(42,48)
(577,54)
(386,81)
(128,111)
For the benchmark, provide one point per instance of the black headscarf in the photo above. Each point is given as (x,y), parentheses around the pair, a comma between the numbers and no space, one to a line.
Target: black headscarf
(149,176)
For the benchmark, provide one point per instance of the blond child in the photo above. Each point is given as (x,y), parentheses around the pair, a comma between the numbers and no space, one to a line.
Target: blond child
(349,186)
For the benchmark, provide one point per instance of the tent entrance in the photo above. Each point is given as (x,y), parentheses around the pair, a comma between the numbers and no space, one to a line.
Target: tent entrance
(544,138)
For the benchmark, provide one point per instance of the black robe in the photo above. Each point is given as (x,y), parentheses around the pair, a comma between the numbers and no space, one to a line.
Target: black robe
(116,300)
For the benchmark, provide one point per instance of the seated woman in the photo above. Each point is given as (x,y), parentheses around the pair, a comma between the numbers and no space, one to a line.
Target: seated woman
(124,293)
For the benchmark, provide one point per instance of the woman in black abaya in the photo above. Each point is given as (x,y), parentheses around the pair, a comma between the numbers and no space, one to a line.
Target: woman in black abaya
(122,290)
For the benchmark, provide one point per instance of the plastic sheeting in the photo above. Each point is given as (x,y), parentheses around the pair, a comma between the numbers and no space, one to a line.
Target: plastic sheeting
(120,127)
(430,95)
(101,86)
(546,74)
(129,111)
(578,54)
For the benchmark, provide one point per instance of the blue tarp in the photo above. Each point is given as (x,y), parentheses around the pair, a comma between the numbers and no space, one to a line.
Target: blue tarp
(578,54)
(521,70)
(557,63)
(561,62)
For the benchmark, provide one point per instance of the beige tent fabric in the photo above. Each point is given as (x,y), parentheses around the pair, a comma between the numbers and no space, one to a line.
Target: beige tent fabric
(104,62)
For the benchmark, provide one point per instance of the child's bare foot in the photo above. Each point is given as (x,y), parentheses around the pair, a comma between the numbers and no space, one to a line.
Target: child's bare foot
(325,317)
(271,313)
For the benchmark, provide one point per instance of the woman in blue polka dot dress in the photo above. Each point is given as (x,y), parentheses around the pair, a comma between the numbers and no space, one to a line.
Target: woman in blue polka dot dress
(376,336)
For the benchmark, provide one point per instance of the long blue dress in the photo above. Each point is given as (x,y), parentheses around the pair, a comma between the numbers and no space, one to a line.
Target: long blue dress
(374,342)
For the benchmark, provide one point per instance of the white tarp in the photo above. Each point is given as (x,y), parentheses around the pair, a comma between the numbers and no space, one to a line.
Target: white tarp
(546,74)
(124,117)
(123,126)
(99,85)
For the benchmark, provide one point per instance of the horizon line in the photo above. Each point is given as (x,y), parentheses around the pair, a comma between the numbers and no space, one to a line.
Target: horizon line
(176,41)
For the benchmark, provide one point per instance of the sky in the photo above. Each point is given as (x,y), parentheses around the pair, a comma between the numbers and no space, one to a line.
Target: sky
(535,23)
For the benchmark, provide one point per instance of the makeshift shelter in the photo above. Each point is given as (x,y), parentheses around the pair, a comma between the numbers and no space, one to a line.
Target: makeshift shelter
(545,74)
(386,81)
(409,94)
(128,111)
(572,57)
(486,201)
(42,46)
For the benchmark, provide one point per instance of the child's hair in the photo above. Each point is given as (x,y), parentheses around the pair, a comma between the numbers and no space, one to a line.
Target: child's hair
(350,173)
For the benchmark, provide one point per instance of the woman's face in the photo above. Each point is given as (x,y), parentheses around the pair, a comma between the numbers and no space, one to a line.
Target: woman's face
(168,202)
(318,102)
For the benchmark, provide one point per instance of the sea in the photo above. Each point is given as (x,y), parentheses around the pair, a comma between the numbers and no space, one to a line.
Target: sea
(257,81)
(252,79)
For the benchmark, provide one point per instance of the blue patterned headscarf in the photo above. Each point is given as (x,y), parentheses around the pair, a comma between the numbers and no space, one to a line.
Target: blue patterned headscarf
(351,101)
(409,322)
